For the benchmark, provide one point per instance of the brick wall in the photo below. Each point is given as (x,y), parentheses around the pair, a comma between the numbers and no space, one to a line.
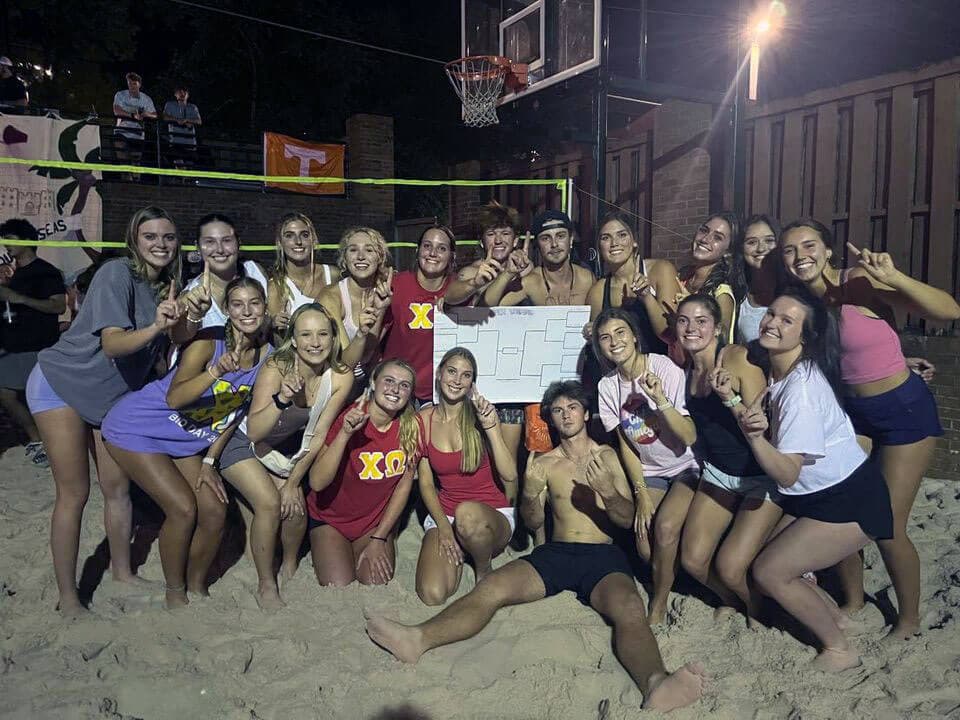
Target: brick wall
(681,176)
(944,352)
(369,154)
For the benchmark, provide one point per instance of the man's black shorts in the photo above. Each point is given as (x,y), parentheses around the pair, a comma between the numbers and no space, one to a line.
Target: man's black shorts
(577,566)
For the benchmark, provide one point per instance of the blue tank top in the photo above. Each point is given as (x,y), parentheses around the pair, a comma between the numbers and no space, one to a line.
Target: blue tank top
(142,421)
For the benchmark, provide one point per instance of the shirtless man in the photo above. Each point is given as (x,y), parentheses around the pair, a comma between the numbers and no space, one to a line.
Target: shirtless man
(589,495)
(498,227)
(556,280)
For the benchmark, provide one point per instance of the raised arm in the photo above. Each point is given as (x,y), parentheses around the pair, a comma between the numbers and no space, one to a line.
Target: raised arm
(605,475)
(784,468)
(194,374)
(324,469)
(680,425)
(504,460)
(117,342)
(902,291)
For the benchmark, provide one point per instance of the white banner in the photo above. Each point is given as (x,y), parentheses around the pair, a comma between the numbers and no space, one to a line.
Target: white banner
(61,204)
(519,350)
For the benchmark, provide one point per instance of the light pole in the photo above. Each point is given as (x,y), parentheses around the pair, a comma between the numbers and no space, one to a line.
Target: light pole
(764,26)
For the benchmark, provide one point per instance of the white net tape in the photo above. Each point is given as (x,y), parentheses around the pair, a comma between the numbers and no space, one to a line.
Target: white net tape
(477,82)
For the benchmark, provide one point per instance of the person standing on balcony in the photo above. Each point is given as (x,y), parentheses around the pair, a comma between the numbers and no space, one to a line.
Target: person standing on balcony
(183,119)
(131,106)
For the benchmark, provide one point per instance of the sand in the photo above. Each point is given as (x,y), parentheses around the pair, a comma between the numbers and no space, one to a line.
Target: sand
(224,658)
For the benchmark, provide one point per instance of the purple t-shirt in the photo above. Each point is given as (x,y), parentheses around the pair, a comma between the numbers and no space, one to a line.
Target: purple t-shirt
(142,421)
(624,404)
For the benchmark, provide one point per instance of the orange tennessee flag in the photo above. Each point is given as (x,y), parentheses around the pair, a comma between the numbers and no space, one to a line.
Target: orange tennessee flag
(284,155)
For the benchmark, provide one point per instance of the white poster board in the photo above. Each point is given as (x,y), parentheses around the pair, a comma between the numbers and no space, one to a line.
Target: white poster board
(519,350)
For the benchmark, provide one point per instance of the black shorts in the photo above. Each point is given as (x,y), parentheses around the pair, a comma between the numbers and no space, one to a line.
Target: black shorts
(577,566)
(861,497)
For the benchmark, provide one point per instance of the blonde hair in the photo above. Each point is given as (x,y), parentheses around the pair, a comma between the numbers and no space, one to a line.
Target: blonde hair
(472,448)
(409,427)
(138,265)
(278,275)
(283,358)
(379,243)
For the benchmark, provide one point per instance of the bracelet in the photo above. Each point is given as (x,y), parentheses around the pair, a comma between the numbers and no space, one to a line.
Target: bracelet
(279,403)
(376,537)
(733,402)
(665,406)
(211,373)
(207,460)
(193,320)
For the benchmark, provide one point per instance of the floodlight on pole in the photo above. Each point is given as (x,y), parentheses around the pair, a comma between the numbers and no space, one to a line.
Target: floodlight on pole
(763,27)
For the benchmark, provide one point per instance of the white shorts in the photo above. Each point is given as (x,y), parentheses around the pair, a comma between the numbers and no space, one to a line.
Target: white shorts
(508,512)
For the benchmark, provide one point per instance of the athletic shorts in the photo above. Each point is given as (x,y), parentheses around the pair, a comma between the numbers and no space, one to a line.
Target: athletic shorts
(904,415)
(748,486)
(508,512)
(689,477)
(15,369)
(40,396)
(237,450)
(578,567)
(862,497)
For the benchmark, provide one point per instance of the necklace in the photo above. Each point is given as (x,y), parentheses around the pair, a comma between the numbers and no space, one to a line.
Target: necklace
(580,463)
(555,300)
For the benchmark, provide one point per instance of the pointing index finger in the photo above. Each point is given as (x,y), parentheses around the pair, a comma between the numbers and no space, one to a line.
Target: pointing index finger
(853,248)
(206,277)
(172,292)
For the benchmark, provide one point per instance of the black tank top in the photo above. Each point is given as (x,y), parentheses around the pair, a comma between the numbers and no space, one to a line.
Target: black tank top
(719,438)
(649,340)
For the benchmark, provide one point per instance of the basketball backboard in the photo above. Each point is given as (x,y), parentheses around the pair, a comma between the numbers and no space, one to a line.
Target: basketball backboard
(557,39)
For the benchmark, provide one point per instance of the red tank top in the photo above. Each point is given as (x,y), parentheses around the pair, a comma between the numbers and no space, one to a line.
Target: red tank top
(372,465)
(410,319)
(455,485)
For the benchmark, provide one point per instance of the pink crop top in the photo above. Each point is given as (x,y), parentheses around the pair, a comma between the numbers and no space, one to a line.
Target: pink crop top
(870,348)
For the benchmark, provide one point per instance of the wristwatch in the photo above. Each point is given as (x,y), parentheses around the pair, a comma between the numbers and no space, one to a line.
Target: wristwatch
(279,403)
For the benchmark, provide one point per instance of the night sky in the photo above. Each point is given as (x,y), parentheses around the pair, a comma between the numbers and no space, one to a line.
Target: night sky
(247,77)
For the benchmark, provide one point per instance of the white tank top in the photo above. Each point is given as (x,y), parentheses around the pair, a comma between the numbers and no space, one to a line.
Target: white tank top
(748,321)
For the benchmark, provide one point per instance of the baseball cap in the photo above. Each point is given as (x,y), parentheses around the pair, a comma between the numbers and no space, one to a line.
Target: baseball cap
(550,220)
(4,60)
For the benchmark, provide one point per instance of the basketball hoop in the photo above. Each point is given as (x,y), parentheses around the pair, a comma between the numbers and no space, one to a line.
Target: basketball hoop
(478,81)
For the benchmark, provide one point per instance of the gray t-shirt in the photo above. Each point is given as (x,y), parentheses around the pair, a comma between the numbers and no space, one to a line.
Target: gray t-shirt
(128,127)
(181,134)
(77,368)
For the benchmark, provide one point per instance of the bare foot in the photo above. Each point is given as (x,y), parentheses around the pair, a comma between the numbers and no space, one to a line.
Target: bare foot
(136,581)
(722,613)
(176,599)
(901,632)
(401,641)
(268,599)
(830,660)
(74,611)
(657,612)
(681,688)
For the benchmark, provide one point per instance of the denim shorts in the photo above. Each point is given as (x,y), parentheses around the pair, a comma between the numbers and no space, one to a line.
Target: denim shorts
(904,415)
(748,486)
(40,396)
(689,477)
